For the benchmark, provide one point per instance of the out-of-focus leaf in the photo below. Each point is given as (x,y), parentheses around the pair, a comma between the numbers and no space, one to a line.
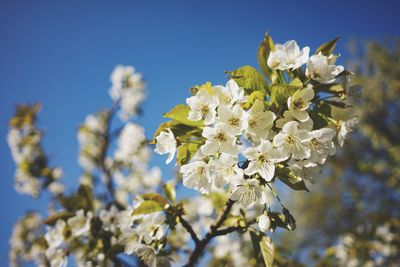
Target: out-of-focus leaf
(249,79)
(169,191)
(148,206)
(327,48)
(180,114)
(267,250)
(82,199)
(155,197)
(115,250)
(85,192)
(218,199)
(62,215)
(338,104)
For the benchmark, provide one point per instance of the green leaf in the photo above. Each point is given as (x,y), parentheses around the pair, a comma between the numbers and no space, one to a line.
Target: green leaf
(320,114)
(289,219)
(265,48)
(289,178)
(180,114)
(327,48)
(267,250)
(281,92)
(169,191)
(186,152)
(86,194)
(252,98)
(155,197)
(62,215)
(82,199)
(277,220)
(148,206)
(115,250)
(249,79)
(181,131)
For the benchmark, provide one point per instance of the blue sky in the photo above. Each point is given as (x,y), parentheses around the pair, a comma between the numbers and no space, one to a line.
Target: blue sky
(62,53)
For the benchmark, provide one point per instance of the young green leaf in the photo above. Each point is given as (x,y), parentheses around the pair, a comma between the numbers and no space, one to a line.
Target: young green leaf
(155,197)
(180,113)
(281,92)
(62,215)
(148,206)
(252,98)
(169,191)
(289,178)
(249,79)
(267,250)
(186,152)
(265,48)
(327,48)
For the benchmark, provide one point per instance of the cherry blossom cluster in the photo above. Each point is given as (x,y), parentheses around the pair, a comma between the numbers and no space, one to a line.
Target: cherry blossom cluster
(24,139)
(247,143)
(128,88)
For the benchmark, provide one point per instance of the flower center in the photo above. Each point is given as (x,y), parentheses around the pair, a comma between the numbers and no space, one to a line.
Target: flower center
(221,137)
(275,63)
(233,121)
(290,139)
(299,104)
(315,144)
(204,109)
(200,171)
(252,123)
(262,158)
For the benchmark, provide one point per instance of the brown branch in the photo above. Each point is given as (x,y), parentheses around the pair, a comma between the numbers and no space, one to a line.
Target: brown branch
(189,228)
(202,244)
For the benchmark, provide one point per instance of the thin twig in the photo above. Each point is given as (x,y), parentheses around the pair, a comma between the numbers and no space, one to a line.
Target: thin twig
(189,228)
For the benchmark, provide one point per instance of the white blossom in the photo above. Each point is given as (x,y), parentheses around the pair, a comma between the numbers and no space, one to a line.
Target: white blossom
(320,68)
(128,87)
(259,122)
(202,107)
(225,170)
(321,144)
(129,143)
(57,258)
(288,56)
(262,159)
(197,175)
(80,223)
(287,116)
(299,103)
(219,140)
(248,192)
(55,236)
(303,170)
(264,223)
(230,94)
(234,118)
(166,143)
(346,127)
(292,140)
